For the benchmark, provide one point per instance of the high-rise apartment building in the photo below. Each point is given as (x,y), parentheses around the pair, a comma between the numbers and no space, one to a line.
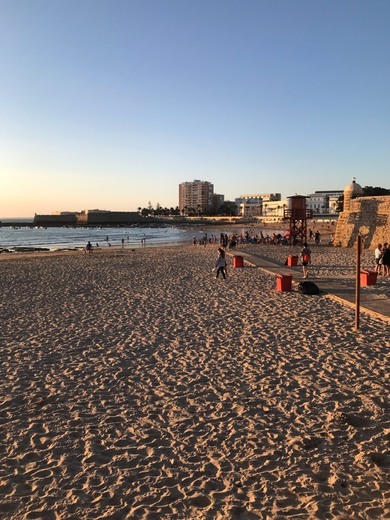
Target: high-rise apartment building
(195,197)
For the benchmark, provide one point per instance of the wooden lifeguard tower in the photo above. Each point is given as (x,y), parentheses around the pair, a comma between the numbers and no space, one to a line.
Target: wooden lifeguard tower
(297,215)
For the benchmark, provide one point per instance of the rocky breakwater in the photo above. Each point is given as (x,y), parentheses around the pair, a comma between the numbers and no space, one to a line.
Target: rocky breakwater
(23,249)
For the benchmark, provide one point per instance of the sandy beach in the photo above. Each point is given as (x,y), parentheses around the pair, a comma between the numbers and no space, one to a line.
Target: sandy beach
(136,385)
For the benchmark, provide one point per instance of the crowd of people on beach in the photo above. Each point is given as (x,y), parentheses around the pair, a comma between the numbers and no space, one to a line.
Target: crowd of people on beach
(232,240)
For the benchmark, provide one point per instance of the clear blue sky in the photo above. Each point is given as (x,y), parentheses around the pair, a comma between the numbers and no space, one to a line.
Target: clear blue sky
(111,104)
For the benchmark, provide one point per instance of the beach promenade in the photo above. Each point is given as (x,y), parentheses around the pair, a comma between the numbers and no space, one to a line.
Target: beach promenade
(374,299)
(136,385)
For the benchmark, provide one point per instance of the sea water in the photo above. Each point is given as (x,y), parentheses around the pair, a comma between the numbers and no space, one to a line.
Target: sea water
(65,238)
(58,238)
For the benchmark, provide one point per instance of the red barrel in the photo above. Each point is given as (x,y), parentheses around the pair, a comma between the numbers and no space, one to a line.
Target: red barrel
(238,261)
(283,282)
(368,277)
(292,260)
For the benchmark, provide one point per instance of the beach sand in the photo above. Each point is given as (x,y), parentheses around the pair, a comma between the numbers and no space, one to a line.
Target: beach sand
(136,385)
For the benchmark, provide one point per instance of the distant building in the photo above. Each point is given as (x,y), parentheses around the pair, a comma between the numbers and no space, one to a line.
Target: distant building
(274,210)
(319,204)
(218,201)
(333,204)
(63,213)
(323,202)
(270,197)
(249,205)
(334,193)
(253,205)
(196,197)
(94,217)
(99,217)
(56,219)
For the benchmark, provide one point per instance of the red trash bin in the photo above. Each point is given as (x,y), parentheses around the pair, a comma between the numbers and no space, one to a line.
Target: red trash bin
(238,261)
(368,277)
(283,282)
(292,260)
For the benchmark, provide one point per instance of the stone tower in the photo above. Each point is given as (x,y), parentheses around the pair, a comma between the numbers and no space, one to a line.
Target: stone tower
(351,191)
(368,217)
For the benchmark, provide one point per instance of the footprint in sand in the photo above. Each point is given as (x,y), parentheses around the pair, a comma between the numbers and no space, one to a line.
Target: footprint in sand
(7,508)
(381,459)
(40,515)
(312,442)
(199,501)
(357,421)
(39,441)
(338,482)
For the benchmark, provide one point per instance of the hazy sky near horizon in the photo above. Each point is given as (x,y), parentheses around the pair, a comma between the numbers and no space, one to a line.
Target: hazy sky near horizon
(111,104)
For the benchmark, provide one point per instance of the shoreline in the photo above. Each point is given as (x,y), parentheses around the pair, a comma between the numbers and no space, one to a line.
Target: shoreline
(253,228)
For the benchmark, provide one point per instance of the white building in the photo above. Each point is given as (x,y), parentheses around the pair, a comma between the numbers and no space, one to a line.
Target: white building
(273,211)
(249,205)
(319,204)
(323,202)
(252,205)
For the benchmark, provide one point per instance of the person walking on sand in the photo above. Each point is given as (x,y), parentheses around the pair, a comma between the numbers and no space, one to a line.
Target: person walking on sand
(306,259)
(220,264)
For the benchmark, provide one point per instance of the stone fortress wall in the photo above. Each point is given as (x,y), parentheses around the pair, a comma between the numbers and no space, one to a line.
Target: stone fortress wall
(367,216)
(91,218)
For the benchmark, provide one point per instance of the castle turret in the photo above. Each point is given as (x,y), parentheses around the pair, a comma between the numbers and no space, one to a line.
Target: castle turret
(351,191)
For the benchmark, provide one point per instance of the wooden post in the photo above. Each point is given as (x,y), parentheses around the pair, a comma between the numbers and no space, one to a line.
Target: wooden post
(357,292)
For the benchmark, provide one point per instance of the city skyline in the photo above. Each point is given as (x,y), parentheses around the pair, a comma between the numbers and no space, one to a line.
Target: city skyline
(194,203)
(112,104)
